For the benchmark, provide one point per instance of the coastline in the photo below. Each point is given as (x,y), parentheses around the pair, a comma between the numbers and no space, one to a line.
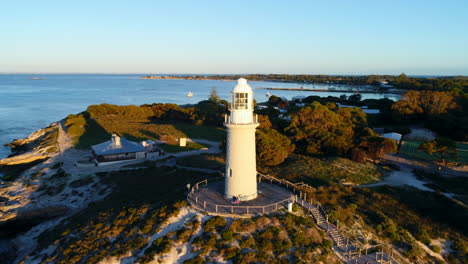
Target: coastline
(399,92)
(203,78)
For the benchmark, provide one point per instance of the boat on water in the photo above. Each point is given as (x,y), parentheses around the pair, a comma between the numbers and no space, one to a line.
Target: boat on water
(189,94)
(268,94)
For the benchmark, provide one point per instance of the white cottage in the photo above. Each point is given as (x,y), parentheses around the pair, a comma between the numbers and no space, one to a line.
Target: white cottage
(117,150)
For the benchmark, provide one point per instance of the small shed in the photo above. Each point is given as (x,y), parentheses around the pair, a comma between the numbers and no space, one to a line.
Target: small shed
(182,142)
(117,150)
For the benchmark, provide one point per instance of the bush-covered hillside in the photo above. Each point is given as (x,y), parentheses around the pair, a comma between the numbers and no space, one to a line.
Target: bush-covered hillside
(137,123)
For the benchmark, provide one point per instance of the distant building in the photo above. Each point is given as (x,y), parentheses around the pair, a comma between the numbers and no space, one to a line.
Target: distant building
(384,84)
(300,104)
(298,98)
(393,135)
(371,111)
(117,150)
(363,108)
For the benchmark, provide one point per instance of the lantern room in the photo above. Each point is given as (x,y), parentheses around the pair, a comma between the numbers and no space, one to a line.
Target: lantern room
(241,106)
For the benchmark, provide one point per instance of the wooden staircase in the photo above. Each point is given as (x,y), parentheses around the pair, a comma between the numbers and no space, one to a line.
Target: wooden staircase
(337,237)
(318,216)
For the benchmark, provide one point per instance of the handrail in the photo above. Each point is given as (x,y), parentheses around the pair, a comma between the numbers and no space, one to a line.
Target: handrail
(206,204)
(296,187)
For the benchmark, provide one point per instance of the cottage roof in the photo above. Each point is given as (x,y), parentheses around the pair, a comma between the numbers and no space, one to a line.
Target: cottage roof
(110,147)
(392,135)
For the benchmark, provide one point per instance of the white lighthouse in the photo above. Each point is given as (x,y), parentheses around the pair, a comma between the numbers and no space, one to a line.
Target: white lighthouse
(241,171)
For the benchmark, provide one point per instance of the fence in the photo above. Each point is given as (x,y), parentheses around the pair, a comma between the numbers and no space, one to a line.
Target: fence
(350,251)
(232,209)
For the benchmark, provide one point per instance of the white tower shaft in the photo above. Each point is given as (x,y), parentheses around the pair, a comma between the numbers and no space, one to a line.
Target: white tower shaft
(241,169)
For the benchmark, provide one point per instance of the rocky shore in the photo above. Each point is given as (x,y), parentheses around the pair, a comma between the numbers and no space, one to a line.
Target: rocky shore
(36,192)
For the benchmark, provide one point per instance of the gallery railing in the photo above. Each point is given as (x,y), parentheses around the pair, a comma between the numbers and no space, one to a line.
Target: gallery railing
(232,209)
(350,250)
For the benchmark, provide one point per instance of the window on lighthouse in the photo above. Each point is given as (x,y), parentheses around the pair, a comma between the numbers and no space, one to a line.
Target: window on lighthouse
(240,101)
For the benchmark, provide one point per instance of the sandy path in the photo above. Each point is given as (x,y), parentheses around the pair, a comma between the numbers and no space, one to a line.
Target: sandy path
(64,142)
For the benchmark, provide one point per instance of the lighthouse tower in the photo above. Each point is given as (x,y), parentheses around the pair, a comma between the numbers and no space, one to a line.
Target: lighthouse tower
(241,171)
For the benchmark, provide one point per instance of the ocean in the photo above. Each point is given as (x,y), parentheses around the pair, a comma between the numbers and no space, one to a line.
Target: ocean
(28,104)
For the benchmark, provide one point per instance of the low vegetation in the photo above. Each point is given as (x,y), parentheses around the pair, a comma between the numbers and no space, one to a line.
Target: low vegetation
(205,161)
(400,216)
(140,203)
(281,238)
(455,185)
(402,81)
(323,171)
(136,123)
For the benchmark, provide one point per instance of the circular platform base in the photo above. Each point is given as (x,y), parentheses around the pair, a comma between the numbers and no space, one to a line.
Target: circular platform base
(210,198)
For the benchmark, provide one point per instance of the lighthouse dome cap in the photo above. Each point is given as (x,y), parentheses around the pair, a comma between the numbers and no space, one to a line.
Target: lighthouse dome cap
(242,86)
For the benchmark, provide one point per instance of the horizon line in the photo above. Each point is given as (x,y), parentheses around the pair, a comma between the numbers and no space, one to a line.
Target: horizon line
(312,74)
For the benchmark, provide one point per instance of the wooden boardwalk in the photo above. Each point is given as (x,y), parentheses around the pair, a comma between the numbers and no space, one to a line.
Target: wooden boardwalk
(210,198)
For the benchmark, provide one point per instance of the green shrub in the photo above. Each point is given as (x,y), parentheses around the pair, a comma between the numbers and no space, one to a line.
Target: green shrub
(227,235)
(214,224)
(435,248)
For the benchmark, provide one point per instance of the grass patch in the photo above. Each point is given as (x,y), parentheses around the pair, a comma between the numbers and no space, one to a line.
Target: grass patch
(202,132)
(409,149)
(86,132)
(207,161)
(172,148)
(456,185)
(317,172)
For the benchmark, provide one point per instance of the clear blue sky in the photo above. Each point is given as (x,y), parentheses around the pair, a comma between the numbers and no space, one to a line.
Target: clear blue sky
(313,37)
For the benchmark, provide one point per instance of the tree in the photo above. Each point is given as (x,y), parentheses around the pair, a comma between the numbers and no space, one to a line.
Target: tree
(373,148)
(409,104)
(434,103)
(274,100)
(354,99)
(214,95)
(425,102)
(210,112)
(272,147)
(441,146)
(264,121)
(317,129)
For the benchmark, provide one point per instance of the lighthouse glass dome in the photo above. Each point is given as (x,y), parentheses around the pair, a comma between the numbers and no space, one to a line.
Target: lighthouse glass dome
(241,106)
(240,101)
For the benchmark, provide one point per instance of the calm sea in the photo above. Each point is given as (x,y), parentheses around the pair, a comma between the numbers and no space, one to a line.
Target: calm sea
(27,104)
